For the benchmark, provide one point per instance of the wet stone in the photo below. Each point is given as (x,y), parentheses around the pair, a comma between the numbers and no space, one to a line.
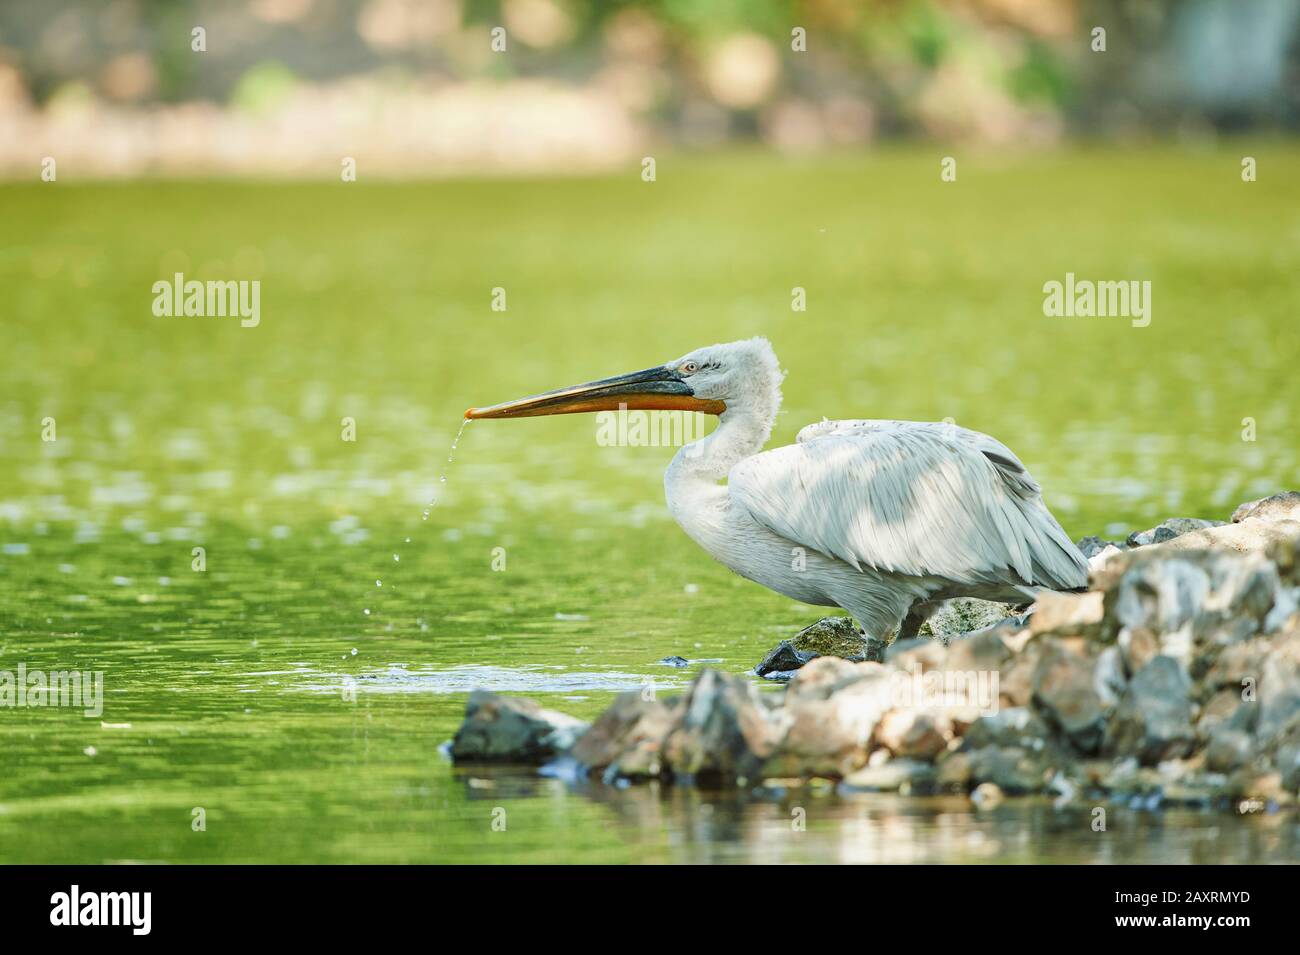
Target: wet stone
(1064,692)
(1284,506)
(1169,529)
(1154,720)
(830,636)
(507,729)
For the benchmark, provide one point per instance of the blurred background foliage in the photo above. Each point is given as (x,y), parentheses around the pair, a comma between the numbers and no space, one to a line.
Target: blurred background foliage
(418,85)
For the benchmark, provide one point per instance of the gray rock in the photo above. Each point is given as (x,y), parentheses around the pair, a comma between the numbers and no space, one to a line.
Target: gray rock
(1137,646)
(1255,783)
(953,772)
(892,776)
(1285,555)
(1016,676)
(1225,710)
(827,676)
(674,661)
(1220,596)
(1098,561)
(1109,678)
(627,739)
(1064,788)
(1236,664)
(964,615)
(1287,760)
(830,636)
(1091,546)
(1245,537)
(1126,776)
(914,734)
(783,661)
(509,729)
(830,714)
(721,732)
(1154,719)
(981,650)
(1279,689)
(1064,692)
(1228,750)
(1160,595)
(919,652)
(963,679)
(1013,769)
(818,740)
(1168,530)
(1068,615)
(1014,726)
(1284,506)
(1201,790)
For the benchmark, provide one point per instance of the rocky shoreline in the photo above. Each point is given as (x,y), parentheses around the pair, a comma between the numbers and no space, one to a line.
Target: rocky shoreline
(1174,680)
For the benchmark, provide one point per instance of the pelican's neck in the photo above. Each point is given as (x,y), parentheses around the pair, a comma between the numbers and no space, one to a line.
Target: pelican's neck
(695,498)
(741,432)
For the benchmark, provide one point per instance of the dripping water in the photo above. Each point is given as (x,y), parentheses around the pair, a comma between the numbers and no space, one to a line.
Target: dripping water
(428,508)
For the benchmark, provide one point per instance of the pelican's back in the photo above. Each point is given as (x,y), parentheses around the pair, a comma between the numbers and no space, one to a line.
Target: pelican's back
(913,498)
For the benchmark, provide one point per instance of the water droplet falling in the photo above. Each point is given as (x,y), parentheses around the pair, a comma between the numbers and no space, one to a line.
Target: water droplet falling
(428,508)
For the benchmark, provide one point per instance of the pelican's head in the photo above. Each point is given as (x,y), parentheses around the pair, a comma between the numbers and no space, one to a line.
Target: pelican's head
(714,379)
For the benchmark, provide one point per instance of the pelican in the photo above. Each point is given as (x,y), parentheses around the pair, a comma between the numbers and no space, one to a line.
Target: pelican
(884,519)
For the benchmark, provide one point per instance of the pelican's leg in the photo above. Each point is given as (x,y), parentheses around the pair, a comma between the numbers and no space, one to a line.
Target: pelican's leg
(917,614)
(878,610)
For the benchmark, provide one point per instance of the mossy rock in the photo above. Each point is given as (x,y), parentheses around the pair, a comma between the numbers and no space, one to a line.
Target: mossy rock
(832,637)
(828,637)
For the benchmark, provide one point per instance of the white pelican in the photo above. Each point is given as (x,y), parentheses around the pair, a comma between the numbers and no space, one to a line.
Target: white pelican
(885,519)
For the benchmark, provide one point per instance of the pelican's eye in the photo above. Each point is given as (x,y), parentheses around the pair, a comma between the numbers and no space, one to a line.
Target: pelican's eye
(689,367)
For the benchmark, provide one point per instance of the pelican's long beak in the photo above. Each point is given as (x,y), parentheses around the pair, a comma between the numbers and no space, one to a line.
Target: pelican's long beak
(655,389)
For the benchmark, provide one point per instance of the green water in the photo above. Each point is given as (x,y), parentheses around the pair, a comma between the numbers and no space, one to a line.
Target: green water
(227,689)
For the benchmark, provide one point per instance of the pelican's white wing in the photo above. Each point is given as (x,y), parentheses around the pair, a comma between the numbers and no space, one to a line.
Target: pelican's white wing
(911,498)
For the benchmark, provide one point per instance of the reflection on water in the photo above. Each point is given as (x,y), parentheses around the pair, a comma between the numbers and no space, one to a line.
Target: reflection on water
(821,824)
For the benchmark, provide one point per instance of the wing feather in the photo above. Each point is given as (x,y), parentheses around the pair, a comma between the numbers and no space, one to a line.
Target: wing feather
(912,498)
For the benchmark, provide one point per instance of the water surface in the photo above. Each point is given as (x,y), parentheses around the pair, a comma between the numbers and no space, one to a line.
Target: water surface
(307,730)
